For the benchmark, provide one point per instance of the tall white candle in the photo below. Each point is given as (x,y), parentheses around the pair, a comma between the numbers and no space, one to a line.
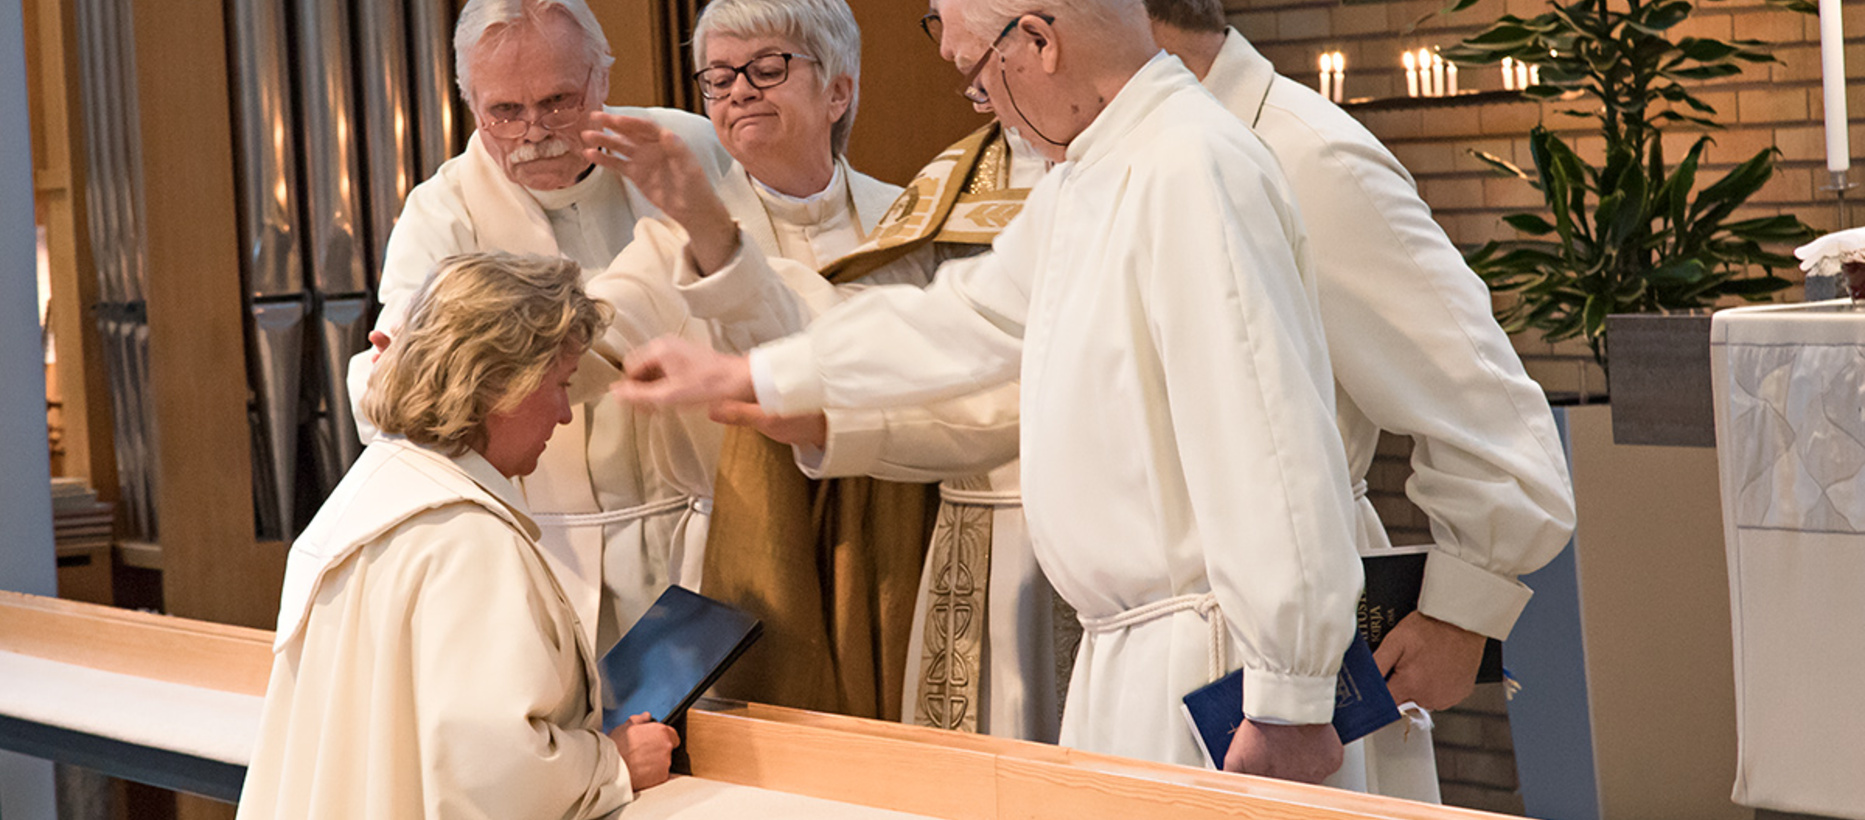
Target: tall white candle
(1437,75)
(1508,74)
(1327,75)
(1833,76)
(1340,77)
(1450,79)
(1411,74)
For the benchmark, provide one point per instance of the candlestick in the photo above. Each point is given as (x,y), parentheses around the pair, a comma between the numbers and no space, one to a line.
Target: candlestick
(1833,83)
(1411,74)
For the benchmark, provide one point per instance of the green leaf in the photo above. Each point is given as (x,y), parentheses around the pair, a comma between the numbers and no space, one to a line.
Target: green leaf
(1705,50)
(1500,165)
(1706,72)
(1500,35)
(1530,224)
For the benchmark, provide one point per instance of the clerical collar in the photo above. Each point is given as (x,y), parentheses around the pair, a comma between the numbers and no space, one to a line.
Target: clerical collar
(827,203)
(577,191)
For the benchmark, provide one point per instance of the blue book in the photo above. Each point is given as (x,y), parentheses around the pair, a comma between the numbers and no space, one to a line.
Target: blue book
(1362,704)
(669,657)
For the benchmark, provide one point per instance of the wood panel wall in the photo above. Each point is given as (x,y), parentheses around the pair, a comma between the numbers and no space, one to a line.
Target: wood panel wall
(213,569)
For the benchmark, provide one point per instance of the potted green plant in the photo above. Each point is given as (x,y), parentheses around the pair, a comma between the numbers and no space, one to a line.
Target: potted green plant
(1631,235)
(1634,598)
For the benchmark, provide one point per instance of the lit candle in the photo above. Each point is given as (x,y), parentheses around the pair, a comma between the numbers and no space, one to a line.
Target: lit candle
(1521,76)
(1508,74)
(1327,75)
(1340,76)
(1534,76)
(1411,75)
(1450,78)
(1833,81)
(1437,75)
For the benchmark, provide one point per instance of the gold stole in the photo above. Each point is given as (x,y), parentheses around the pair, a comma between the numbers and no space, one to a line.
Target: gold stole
(833,567)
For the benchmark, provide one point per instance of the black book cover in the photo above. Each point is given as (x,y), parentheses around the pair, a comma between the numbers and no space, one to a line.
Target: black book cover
(668,658)
(1393,580)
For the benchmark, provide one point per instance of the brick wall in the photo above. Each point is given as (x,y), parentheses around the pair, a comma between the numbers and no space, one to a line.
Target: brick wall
(1768,105)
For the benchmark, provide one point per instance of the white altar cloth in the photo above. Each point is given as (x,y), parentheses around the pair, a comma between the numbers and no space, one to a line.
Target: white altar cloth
(1790,436)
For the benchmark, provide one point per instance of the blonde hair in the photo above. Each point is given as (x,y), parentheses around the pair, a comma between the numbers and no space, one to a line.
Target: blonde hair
(481,334)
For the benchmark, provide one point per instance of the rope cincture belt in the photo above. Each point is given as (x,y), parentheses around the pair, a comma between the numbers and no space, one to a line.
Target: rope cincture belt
(697,503)
(980,498)
(1204,604)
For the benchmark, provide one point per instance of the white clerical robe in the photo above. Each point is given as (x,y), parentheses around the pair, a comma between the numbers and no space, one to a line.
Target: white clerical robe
(1183,481)
(622,496)
(1416,352)
(428,664)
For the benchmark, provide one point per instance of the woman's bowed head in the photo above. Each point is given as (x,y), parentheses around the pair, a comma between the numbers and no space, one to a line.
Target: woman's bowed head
(485,360)
(484,363)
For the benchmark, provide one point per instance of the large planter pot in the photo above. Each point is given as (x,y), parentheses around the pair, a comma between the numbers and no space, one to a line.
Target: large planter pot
(1628,705)
(1789,383)
(1660,379)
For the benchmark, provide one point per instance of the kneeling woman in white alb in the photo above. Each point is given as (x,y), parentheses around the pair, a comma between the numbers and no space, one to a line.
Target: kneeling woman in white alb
(428,664)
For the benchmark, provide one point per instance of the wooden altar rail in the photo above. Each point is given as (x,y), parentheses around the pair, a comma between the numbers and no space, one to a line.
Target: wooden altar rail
(850,760)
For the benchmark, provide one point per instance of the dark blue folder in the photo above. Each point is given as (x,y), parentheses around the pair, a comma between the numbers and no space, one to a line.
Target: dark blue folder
(668,658)
(1362,704)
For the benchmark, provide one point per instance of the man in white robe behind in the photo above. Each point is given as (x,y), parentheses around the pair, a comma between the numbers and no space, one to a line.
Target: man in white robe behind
(1416,353)
(1184,482)
(622,497)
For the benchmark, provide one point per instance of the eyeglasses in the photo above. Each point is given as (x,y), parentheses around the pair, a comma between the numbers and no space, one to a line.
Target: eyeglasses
(566,114)
(765,71)
(971,91)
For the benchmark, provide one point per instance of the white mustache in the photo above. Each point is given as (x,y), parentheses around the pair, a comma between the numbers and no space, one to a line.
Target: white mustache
(530,151)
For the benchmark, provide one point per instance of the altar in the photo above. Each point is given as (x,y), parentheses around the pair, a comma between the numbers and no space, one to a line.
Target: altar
(1789,383)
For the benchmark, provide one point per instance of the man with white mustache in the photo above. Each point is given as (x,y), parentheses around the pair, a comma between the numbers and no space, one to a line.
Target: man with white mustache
(623,498)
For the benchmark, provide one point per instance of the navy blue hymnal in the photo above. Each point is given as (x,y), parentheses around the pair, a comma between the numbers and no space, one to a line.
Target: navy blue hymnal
(1362,704)
(669,657)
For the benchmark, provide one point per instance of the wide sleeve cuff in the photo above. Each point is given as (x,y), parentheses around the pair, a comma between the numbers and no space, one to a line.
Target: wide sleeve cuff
(1466,595)
(854,443)
(1277,697)
(731,292)
(783,373)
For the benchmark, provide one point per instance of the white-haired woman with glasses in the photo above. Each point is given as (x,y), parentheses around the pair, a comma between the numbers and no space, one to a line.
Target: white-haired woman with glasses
(428,662)
(832,567)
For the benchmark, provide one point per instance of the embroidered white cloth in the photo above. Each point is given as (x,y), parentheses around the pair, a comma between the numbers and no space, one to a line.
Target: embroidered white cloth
(1790,437)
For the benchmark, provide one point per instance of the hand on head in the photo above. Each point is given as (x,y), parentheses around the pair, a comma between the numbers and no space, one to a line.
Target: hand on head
(647,750)
(668,175)
(673,371)
(1429,662)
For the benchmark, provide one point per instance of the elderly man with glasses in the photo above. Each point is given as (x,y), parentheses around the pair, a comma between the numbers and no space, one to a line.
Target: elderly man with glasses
(621,496)
(1184,483)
